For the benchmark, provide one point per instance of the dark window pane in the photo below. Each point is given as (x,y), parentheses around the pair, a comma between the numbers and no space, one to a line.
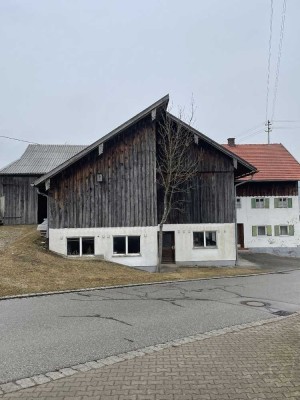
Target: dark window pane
(198,239)
(261,230)
(134,245)
(211,239)
(284,230)
(73,247)
(88,246)
(119,245)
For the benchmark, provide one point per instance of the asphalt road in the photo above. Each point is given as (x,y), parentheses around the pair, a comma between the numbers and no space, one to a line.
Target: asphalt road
(41,334)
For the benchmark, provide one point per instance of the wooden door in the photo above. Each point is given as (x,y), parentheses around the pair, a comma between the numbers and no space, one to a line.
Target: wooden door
(240,236)
(168,249)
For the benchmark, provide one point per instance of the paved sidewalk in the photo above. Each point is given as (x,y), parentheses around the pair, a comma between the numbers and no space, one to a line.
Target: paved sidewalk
(261,362)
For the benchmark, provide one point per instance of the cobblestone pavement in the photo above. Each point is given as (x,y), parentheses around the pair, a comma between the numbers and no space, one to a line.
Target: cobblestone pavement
(261,362)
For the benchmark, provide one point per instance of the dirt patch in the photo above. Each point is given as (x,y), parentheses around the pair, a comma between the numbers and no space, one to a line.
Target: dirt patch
(26,266)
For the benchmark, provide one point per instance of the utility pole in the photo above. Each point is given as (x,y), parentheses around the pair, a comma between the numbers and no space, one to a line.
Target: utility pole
(268,124)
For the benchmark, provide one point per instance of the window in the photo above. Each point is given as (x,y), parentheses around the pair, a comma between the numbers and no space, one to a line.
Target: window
(262,230)
(284,230)
(198,238)
(260,202)
(82,246)
(283,202)
(88,246)
(205,239)
(126,245)
(73,247)
(238,202)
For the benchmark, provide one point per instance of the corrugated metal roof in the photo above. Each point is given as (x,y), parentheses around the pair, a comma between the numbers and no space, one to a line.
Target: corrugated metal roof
(41,158)
(273,161)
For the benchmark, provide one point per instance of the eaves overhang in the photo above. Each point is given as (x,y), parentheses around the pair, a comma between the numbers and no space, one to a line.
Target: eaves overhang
(161,103)
(251,169)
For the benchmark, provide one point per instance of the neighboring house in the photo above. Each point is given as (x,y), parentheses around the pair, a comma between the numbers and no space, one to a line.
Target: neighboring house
(105,202)
(268,204)
(19,201)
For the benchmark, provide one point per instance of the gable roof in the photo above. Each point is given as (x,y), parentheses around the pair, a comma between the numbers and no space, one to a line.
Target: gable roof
(162,103)
(251,169)
(41,158)
(273,161)
(158,105)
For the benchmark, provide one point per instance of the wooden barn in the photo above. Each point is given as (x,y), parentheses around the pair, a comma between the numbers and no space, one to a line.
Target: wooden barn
(19,201)
(105,202)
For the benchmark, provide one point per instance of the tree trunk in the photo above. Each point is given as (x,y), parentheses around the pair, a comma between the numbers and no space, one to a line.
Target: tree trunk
(160,245)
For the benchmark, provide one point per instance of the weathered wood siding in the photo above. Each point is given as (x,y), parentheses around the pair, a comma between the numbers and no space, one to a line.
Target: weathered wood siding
(210,198)
(20,199)
(127,195)
(268,189)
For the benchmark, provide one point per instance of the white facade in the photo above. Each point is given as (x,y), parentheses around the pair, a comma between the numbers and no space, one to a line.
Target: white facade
(282,227)
(224,253)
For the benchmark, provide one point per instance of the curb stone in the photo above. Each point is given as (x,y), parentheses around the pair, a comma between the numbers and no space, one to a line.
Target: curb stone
(36,380)
(42,294)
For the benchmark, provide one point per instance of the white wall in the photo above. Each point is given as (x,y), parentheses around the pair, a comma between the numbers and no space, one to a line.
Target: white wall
(185,254)
(269,216)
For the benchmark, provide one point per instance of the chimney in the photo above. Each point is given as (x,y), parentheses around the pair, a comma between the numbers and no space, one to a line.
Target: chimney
(231,141)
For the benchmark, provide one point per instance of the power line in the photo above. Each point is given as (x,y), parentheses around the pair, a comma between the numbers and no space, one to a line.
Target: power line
(287,120)
(252,134)
(19,140)
(283,14)
(250,129)
(269,58)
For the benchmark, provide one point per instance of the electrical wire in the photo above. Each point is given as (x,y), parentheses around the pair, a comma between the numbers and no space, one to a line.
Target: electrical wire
(283,14)
(269,58)
(19,140)
(252,134)
(250,130)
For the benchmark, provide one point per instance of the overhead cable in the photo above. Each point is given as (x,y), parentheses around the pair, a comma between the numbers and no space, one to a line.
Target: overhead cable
(19,140)
(269,58)
(283,14)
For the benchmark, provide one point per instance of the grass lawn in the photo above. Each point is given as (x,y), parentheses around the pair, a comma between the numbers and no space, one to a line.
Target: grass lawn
(26,267)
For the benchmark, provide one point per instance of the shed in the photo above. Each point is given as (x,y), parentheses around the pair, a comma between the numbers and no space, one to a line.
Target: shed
(19,201)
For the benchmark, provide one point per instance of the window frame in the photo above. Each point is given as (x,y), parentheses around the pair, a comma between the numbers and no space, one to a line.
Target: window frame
(259,202)
(283,202)
(205,246)
(126,254)
(238,202)
(80,246)
(287,230)
(265,228)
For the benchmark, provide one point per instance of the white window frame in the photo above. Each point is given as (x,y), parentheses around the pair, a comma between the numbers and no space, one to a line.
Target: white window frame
(283,202)
(238,202)
(260,202)
(80,246)
(204,240)
(126,254)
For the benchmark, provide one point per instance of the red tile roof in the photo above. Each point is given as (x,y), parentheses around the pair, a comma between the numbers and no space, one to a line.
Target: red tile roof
(273,161)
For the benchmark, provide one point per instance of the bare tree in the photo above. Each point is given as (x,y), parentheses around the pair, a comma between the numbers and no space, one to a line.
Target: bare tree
(175,166)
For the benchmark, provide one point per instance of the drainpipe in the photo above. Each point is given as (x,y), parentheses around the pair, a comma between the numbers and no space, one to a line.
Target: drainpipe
(236,237)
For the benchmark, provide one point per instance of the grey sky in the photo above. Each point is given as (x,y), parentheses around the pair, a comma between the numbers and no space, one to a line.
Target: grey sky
(73,70)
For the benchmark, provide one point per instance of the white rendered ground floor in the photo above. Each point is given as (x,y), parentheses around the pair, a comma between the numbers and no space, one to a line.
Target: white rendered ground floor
(269,228)
(184,244)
